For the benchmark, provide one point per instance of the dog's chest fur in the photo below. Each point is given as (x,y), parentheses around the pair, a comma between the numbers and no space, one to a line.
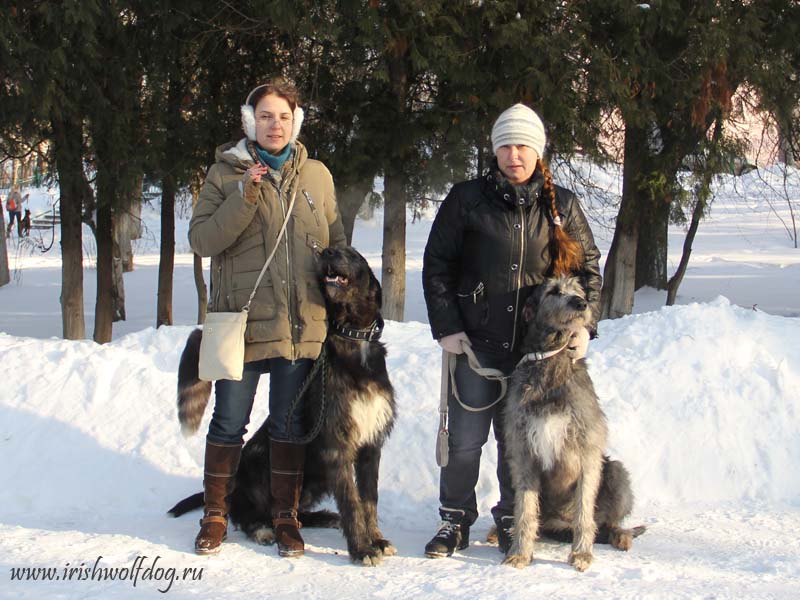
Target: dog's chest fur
(546,436)
(363,403)
(371,413)
(545,421)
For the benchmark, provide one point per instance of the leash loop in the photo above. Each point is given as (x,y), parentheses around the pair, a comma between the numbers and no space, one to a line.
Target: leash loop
(320,364)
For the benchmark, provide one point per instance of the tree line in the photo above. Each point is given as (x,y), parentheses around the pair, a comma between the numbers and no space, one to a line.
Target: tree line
(121,90)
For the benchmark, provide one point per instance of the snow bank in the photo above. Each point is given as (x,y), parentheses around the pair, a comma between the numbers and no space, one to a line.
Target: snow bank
(703,403)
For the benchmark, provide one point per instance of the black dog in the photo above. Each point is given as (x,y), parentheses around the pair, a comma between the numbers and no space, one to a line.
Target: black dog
(359,412)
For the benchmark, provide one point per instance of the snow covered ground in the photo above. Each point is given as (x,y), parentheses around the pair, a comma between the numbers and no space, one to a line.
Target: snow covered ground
(703,401)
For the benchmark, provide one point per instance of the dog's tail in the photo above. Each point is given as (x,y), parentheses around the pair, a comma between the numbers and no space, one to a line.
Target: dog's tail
(320,518)
(603,535)
(187,504)
(193,394)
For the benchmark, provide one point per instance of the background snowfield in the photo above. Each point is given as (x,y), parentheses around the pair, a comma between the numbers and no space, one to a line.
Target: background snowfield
(702,398)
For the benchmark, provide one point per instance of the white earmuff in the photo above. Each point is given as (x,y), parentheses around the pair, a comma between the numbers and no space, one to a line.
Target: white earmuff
(249,119)
(249,122)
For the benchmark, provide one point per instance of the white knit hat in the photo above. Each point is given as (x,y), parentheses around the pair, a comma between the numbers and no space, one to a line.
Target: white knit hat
(519,126)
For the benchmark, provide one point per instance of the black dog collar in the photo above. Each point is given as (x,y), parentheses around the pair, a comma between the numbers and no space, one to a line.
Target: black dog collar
(370,334)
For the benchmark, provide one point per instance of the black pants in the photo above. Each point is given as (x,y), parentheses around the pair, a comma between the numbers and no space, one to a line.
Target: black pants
(469,431)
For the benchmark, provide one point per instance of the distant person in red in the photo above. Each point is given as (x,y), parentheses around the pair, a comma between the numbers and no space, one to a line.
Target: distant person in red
(14,208)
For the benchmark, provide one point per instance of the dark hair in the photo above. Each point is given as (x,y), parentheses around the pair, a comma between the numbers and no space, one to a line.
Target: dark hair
(566,253)
(278,86)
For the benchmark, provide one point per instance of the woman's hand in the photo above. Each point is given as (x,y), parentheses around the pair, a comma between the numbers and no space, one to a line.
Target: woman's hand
(252,177)
(578,344)
(452,343)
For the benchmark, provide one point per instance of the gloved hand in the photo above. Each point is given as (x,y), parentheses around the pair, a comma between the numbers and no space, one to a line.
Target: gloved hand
(578,344)
(452,343)
(250,181)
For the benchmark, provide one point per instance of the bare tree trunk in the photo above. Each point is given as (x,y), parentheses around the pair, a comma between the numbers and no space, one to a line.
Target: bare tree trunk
(619,275)
(199,282)
(393,270)
(103,312)
(129,226)
(166,262)
(67,148)
(677,278)
(202,290)
(703,195)
(118,286)
(652,246)
(5,276)
(349,202)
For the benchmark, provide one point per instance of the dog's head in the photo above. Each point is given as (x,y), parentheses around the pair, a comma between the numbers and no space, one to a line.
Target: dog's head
(556,308)
(352,292)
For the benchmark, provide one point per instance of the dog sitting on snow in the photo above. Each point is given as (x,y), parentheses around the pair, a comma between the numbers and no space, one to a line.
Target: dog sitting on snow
(556,435)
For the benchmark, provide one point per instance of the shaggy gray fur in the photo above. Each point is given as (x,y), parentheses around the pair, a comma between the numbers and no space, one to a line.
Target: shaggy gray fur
(556,435)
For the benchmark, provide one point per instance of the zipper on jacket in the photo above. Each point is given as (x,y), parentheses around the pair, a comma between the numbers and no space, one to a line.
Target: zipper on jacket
(519,273)
(311,205)
(474,293)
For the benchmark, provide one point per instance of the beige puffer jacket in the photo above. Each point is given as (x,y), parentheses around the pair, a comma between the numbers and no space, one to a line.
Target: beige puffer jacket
(287,317)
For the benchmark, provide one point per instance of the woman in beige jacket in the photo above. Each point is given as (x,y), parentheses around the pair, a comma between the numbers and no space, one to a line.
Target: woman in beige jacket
(237,219)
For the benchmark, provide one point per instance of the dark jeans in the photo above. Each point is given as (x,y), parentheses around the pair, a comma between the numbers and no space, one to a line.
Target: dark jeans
(469,431)
(234,400)
(15,214)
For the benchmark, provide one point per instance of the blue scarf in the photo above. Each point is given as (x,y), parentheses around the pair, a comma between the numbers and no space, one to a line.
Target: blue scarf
(275,161)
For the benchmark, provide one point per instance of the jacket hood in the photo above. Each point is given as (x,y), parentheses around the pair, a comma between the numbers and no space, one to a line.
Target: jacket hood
(238,155)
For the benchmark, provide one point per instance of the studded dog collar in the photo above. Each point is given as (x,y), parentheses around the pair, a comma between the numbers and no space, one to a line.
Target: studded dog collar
(370,334)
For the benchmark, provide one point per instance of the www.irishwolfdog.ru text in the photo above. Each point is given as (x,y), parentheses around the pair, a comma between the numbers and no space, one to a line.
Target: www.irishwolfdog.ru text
(142,569)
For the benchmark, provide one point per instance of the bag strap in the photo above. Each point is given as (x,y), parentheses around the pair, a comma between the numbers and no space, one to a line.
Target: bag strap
(275,249)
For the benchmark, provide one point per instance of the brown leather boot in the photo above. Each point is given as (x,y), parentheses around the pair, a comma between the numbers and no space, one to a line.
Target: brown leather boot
(286,482)
(220,467)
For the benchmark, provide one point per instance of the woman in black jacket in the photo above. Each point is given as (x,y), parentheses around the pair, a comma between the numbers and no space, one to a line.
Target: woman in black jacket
(493,239)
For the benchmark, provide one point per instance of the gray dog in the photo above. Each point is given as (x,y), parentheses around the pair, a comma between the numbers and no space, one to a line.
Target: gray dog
(556,435)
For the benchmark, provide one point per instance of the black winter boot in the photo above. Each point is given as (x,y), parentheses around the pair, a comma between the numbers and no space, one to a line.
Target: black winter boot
(453,534)
(505,532)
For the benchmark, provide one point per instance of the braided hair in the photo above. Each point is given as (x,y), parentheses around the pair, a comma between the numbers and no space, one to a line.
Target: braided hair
(566,253)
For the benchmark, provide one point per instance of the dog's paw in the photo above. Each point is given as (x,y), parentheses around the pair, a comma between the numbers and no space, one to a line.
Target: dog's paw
(517,560)
(580,560)
(370,557)
(264,536)
(491,537)
(385,546)
(621,539)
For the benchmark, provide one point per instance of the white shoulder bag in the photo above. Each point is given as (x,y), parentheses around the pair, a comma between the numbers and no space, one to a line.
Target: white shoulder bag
(222,344)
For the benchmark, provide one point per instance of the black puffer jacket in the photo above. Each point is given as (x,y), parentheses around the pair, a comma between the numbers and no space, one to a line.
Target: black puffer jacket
(488,247)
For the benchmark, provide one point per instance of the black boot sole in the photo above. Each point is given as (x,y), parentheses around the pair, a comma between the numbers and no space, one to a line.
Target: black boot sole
(445,553)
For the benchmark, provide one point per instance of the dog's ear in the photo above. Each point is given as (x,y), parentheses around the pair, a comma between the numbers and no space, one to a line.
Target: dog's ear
(375,288)
(527,311)
(532,304)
